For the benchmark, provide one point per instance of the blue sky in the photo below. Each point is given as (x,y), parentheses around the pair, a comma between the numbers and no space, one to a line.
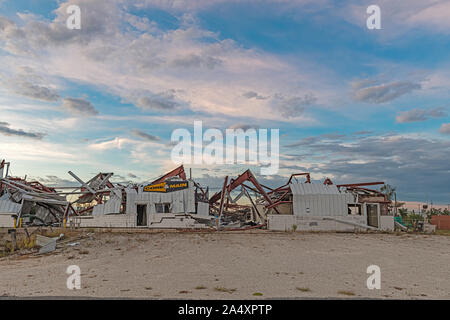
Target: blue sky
(351,104)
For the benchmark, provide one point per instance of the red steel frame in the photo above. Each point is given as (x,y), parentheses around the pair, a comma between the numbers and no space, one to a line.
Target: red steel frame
(175,172)
(234,183)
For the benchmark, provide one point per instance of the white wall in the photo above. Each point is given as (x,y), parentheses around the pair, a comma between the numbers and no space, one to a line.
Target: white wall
(386,223)
(203,209)
(105,221)
(286,223)
(322,204)
(6,221)
(169,220)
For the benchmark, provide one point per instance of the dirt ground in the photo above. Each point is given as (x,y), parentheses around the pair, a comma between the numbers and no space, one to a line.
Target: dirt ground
(236,265)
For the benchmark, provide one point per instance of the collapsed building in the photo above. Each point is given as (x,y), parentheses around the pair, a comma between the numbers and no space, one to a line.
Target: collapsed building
(175,201)
(307,206)
(327,207)
(172,201)
(29,202)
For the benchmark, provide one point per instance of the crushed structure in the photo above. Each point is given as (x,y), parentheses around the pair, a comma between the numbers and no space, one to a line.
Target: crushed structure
(168,202)
(327,207)
(305,206)
(175,201)
(29,202)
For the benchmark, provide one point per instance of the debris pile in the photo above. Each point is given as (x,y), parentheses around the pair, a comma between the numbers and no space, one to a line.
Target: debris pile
(30,201)
(175,201)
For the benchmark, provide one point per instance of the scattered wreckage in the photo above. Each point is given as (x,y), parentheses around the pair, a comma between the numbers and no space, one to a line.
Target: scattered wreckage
(175,201)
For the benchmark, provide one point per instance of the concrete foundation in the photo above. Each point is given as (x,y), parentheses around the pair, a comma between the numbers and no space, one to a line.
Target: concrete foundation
(160,220)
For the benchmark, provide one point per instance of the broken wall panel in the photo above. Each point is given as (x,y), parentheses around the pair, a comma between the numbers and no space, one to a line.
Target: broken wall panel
(203,208)
(112,205)
(8,206)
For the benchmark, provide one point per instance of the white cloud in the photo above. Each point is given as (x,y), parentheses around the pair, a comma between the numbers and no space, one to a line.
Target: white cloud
(434,16)
(160,70)
(116,143)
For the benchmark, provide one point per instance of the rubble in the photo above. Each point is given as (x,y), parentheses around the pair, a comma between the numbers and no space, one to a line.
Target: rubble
(175,201)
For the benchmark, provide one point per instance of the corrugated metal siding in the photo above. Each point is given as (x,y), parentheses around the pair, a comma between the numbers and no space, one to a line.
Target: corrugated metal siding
(313,188)
(7,206)
(131,198)
(110,206)
(319,200)
(203,208)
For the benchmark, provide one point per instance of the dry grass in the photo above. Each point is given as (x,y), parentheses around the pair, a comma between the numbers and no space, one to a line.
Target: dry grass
(443,232)
(222,289)
(303,289)
(27,243)
(346,293)
(22,243)
(200,287)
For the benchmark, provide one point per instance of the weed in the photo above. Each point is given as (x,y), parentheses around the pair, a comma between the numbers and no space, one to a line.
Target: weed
(222,289)
(346,293)
(200,287)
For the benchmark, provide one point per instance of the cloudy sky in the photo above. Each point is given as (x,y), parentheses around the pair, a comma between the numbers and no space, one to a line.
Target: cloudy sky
(351,104)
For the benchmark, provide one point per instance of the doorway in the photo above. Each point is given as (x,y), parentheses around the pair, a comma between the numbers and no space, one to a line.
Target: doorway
(141,215)
(372,215)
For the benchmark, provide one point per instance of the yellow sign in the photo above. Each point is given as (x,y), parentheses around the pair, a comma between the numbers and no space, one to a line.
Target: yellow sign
(166,186)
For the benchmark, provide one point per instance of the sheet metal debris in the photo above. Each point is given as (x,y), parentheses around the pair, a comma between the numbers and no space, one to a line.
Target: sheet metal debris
(174,201)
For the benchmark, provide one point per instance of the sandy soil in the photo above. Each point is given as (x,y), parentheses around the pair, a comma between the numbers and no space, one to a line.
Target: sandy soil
(237,265)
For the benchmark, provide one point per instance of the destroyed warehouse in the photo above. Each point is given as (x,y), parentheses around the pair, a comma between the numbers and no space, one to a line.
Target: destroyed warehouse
(175,201)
